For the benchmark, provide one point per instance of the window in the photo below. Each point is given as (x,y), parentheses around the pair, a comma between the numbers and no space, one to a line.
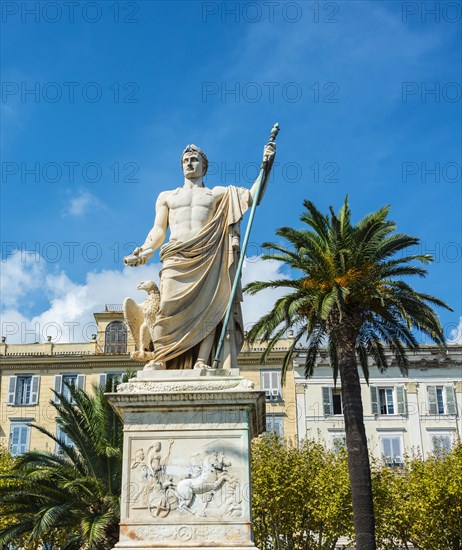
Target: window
(69,380)
(270,382)
(391,450)
(275,423)
(64,438)
(332,401)
(23,389)
(116,338)
(388,401)
(63,381)
(440,442)
(113,378)
(386,405)
(441,399)
(19,439)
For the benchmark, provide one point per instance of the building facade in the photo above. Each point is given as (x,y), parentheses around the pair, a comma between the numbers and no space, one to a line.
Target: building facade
(419,411)
(416,412)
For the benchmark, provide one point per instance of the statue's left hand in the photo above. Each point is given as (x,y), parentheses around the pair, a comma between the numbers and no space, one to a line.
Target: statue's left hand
(269,151)
(138,257)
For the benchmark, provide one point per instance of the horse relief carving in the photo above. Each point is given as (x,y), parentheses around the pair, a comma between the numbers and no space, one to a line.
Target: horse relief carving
(207,489)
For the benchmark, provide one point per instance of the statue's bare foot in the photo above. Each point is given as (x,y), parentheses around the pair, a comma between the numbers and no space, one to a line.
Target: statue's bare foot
(141,356)
(154,365)
(200,365)
(138,355)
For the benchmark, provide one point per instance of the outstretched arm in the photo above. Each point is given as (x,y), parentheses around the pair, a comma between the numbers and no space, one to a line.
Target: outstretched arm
(268,153)
(155,237)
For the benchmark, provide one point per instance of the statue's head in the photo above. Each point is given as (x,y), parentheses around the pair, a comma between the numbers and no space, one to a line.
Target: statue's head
(194,163)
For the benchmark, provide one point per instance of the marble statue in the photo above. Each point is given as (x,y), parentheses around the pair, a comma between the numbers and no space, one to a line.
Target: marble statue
(199,262)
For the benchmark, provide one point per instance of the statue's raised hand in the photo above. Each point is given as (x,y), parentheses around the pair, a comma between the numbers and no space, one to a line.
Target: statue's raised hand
(269,151)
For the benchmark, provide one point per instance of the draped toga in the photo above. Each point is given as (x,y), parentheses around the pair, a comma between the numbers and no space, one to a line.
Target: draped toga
(195,286)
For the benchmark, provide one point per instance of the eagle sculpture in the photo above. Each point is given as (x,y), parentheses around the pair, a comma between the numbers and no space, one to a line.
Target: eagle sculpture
(141,319)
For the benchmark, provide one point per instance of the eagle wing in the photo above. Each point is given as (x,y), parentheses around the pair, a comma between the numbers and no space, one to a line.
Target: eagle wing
(133,314)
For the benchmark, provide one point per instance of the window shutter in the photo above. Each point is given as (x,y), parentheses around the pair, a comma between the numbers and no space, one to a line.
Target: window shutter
(81,382)
(24,439)
(280,427)
(265,383)
(102,379)
(58,437)
(327,401)
(432,406)
(387,447)
(35,390)
(275,383)
(58,387)
(14,440)
(12,390)
(402,399)
(61,436)
(19,439)
(450,399)
(375,400)
(396,447)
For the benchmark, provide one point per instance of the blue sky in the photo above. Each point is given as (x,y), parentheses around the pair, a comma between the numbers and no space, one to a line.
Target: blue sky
(101,102)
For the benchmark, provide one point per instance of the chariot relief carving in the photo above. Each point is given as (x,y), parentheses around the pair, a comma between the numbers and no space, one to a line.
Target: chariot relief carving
(205,486)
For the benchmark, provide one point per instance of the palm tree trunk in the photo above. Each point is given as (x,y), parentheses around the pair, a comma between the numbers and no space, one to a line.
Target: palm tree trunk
(358,456)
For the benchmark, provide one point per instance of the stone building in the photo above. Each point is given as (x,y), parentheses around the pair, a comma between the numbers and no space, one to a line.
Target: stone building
(418,411)
(401,413)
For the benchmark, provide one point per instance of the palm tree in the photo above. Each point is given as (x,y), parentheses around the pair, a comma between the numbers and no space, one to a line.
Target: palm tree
(350,296)
(71,497)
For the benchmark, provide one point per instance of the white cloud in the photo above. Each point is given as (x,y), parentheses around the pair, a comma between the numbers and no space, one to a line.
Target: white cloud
(21,273)
(68,316)
(256,269)
(455,336)
(81,204)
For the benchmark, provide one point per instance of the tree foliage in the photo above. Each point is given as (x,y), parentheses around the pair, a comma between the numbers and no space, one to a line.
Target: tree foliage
(422,503)
(301,498)
(349,293)
(6,465)
(347,274)
(70,497)
(301,495)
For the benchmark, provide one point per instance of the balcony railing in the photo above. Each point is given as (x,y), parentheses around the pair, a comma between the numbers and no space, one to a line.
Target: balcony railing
(113,307)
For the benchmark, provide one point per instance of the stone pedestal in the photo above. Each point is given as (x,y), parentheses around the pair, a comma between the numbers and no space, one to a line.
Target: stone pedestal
(186,471)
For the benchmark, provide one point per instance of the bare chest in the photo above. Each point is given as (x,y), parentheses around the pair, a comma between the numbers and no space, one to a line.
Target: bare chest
(201,198)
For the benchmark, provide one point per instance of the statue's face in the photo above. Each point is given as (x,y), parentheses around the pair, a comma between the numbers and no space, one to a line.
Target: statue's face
(192,165)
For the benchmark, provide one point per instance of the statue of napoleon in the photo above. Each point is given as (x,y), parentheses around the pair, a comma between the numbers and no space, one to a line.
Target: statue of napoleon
(198,267)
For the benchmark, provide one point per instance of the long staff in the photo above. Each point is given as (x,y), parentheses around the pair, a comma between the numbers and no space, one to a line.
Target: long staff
(263,177)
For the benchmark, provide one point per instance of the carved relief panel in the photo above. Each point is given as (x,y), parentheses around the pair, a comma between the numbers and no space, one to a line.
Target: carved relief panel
(171,479)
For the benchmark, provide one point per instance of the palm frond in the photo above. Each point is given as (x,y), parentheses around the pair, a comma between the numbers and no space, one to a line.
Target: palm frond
(350,272)
(315,219)
(51,492)
(363,360)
